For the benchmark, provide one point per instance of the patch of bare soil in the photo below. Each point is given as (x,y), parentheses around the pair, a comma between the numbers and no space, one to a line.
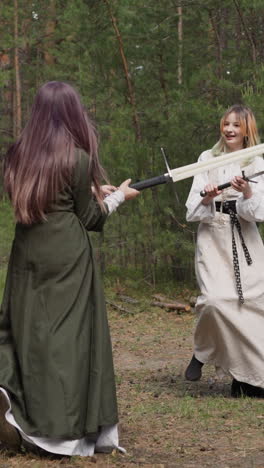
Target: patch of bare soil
(165,421)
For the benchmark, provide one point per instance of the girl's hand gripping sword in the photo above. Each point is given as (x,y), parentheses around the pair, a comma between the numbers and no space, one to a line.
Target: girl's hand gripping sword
(228,184)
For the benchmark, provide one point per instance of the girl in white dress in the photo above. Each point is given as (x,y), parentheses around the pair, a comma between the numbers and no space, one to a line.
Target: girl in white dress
(229,261)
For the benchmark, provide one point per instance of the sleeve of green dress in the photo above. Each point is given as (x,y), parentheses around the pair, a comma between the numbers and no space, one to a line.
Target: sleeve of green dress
(85,205)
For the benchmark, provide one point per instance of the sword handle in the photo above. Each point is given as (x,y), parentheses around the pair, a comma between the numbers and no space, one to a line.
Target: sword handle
(143,184)
(227,184)
(203,193)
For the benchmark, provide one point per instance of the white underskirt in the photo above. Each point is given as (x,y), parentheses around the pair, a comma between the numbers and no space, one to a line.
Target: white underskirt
(106,442)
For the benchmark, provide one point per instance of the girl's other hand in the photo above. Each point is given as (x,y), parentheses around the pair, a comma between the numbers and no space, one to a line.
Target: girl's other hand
(211,192)
(128,191)
(107,189)
(242,185)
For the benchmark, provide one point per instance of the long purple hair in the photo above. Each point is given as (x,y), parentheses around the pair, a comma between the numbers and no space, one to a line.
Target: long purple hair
(40,163)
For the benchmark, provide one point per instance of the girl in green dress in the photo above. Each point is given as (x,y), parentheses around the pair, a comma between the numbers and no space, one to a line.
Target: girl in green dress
(56,369)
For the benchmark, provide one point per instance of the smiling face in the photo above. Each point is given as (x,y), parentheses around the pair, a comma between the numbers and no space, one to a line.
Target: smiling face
(232,132)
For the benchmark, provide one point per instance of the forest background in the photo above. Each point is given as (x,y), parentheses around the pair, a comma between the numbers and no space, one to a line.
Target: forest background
(152,73)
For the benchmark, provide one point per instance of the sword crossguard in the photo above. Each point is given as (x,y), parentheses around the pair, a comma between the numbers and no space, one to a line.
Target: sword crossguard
(166,161)
(169,173)
(247,178)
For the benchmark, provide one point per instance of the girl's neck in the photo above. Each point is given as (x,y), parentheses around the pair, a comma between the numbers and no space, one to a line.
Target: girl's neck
(231,150)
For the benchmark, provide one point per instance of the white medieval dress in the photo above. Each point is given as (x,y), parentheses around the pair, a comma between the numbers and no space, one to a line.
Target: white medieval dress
(229,334)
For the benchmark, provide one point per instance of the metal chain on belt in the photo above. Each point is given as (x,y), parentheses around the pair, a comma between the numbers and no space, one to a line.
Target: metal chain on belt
(235,222)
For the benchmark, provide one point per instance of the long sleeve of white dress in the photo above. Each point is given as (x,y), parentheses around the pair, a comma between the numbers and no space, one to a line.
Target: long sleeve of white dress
(250,210)
(196,211)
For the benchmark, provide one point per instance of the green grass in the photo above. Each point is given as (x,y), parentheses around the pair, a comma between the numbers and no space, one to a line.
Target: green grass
(199,409)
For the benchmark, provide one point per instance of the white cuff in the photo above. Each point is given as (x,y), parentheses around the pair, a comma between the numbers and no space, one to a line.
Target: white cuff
(251,209)
(201,213)
(114,200)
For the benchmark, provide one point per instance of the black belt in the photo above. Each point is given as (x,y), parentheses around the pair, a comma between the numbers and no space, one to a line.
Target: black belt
(224,207)
(229,207)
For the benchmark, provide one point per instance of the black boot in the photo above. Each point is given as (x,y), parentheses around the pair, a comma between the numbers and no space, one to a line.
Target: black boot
(194,370)
(236,390)
(239,389)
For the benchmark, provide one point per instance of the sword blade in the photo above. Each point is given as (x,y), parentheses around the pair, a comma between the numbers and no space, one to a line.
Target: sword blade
(190,170)
(257,174)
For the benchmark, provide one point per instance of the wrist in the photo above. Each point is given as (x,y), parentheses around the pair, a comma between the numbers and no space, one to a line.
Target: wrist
(247,194)
(207,200)
(121,194)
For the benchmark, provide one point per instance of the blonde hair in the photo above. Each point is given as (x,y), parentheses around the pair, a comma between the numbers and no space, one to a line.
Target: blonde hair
(248,127)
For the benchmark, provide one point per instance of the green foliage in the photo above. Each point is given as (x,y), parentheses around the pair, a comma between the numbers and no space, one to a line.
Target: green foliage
(221,59)
(6,230)
(6,236)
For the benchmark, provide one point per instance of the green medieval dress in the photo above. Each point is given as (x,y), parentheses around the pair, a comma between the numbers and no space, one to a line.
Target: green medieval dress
(55,349)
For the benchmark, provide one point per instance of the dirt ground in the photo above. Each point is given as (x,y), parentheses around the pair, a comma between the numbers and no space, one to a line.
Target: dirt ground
(165,421)
(169,422)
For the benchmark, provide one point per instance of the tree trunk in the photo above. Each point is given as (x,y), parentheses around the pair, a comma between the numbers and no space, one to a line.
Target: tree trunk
(180,45)
(247,33)
(219,45)
(130,87)
(163,85)
(49,33)
(17,115)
